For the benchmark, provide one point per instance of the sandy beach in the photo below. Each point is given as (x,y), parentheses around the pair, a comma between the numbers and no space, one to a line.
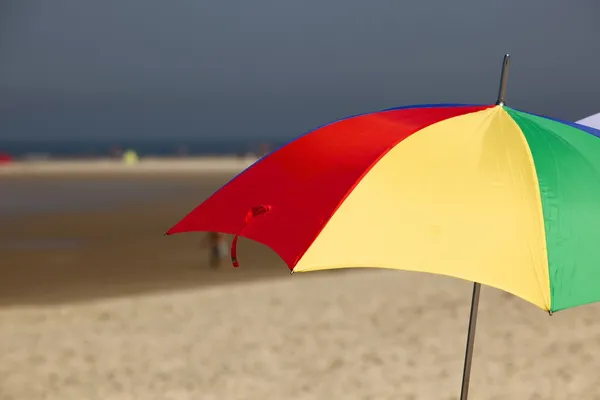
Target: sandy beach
(98,304)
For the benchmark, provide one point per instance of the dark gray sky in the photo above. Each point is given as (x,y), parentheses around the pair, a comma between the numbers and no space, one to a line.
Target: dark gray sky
(211,68)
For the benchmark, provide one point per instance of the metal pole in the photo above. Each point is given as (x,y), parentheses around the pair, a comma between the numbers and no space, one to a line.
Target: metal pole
(503,80)
(464,392)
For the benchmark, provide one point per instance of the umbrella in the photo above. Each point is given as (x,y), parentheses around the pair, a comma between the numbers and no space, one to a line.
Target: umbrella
(592,121)
(485,193)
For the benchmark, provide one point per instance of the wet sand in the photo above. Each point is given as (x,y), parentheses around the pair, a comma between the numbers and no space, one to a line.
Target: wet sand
(117,249)
(102,306)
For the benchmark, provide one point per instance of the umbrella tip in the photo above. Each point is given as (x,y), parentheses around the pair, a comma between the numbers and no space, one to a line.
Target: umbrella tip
(506,61)
(503,80)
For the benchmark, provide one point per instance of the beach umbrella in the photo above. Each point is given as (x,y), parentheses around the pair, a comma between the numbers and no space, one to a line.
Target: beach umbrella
(486,193)
(592,121)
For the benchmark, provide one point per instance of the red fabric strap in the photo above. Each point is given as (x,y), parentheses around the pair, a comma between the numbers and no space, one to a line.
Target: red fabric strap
(254,212)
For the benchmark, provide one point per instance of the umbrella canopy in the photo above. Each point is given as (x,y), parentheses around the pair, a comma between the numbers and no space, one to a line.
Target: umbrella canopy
(485,193)
(592,121)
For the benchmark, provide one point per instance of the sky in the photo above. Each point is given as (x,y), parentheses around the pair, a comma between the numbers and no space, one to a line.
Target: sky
(139,69)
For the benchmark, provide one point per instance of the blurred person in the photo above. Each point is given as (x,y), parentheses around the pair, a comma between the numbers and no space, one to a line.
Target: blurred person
(5,158)
(218,248)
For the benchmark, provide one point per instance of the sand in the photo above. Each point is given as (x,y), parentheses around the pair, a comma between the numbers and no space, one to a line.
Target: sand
(130,314)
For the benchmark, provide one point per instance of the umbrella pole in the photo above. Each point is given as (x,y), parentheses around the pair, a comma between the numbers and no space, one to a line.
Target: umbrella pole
(466,378)
(464,392)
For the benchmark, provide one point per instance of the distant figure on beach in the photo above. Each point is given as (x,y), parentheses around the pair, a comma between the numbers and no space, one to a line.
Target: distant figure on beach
(130,157)
(218,248)
(265,148)
(5,158)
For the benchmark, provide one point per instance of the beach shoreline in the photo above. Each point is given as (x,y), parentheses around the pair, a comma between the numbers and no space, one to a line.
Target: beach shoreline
(154,165)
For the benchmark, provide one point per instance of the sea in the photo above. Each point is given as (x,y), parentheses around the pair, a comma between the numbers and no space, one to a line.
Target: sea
(94,148)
